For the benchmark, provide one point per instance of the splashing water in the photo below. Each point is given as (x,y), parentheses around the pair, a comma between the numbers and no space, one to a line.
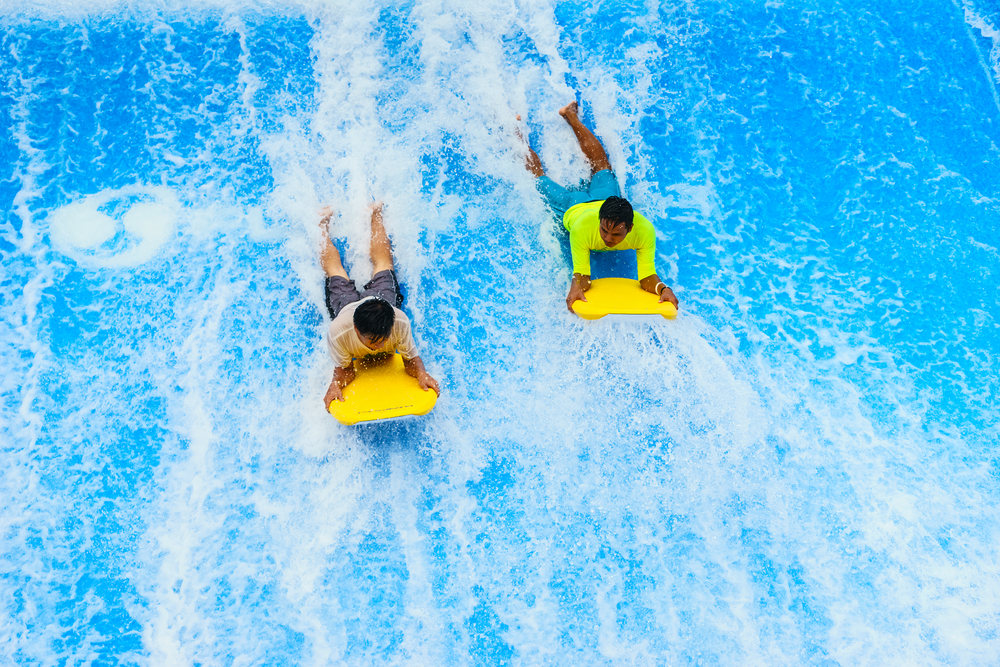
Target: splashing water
(801,469)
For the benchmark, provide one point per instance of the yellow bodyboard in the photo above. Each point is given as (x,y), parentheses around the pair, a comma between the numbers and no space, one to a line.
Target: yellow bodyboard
(382,390)
(621,296)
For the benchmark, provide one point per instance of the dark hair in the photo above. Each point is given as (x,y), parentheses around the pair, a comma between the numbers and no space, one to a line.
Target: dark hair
(374,319)
(617,210)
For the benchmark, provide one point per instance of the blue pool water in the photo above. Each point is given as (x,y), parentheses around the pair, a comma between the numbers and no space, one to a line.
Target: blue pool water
(802,469)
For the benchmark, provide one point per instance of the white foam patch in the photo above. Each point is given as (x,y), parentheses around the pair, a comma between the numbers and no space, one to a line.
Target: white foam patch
(145,219)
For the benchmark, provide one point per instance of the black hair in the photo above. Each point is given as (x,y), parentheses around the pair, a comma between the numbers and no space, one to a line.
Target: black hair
(617,210)
(374,319)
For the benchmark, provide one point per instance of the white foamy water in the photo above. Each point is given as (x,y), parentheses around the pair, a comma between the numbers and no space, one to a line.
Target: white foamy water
(89,235)
(798,470)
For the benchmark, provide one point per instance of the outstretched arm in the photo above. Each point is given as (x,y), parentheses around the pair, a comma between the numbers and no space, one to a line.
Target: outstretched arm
(415,368)
(580,284)
(341,378)
(659,288)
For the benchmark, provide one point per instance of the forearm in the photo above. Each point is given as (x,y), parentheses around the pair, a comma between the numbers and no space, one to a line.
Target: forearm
(652,283)
(659,288)
(343,376)
(579,285)
(414,367)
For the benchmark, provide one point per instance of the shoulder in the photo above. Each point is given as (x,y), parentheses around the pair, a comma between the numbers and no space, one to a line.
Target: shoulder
(347,312)
(641,221)
(583,214)
(402,335)
(642,227)
(401,320)
(343,323)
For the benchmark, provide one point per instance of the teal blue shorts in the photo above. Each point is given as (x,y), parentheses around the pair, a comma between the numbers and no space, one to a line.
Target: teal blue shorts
(602,185)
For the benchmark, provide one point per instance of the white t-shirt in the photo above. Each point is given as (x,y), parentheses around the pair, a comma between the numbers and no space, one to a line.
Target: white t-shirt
(345,344)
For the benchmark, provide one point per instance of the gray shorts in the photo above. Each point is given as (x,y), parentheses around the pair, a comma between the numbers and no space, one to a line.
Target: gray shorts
(340,291)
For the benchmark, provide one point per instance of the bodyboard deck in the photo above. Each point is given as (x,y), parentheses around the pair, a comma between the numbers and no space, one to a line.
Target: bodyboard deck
(382,390)
(621,296)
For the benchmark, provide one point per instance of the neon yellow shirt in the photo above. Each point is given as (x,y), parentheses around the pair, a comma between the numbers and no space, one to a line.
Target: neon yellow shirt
(584,226)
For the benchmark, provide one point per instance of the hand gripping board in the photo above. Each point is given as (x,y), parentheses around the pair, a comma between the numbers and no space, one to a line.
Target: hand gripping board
(621,296)
(382,390)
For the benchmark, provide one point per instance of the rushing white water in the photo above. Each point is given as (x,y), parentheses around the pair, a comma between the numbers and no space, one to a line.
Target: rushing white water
(801,469)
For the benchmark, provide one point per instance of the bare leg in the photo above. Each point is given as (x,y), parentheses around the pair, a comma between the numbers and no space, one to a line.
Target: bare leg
(589,144)
(532,162)
(381,247)
(328,256)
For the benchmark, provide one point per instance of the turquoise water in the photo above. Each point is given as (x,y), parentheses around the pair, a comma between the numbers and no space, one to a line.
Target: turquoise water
(802,469)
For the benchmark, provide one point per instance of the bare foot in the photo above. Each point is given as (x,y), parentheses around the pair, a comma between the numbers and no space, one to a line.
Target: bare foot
(517,130)
(591,146)
(571,109)
(532,162)
(325,214)
(329,256)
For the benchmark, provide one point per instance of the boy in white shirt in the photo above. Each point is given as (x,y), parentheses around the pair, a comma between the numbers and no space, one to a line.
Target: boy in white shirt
(370,321)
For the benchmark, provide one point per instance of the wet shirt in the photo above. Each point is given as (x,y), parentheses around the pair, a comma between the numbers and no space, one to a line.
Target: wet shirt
(345,344)
(584,226)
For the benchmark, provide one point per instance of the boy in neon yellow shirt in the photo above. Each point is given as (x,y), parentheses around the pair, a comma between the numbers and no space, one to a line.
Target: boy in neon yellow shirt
(599,219)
